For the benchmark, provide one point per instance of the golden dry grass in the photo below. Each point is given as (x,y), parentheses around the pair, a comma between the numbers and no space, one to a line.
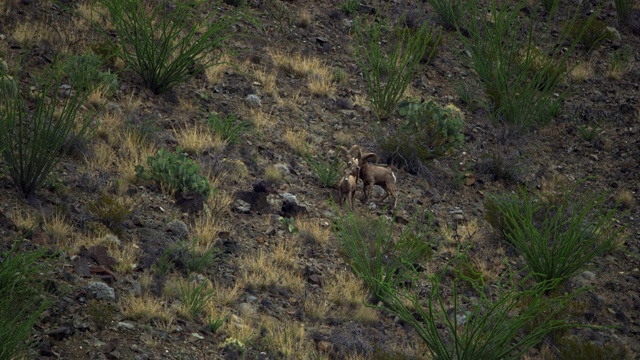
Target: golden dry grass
(272,174)
(582,72)
(102,157)
(296,64)
(134,150)
(23,219)
(58,227)
(28,33)
(126,255)
(304,19)
(317,308)
(260,119)
(263,270)
(626,199)
(205,229)
(343,138)
(345,290)
(237,170)
(310,231)
(268,81)
(224,295)
(197,139)
(320,82)
(287,338)
(146,308)
(218,205)
(215,73)
(108,123)
(297,140)
(97,98)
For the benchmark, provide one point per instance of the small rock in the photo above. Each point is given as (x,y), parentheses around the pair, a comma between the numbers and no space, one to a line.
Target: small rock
(197,336)
(250,299)
(178,228)
(101,291)
(253,101)
(289,197)
(123,325)
(242,206)
(61,333)
(315,279)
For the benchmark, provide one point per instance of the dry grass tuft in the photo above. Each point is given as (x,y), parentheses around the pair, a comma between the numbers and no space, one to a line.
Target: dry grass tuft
(320,82)
(24,220)
(59,230)
(215,73)
(28,33)
(310,231)
(227,295)
(297,64)
(134,150)
(146,308)
(268,81)
(126,255)
(272,174)
(205,230)
(626,199)
(304,19)
(343,138)
(297,140)
(260,119)
(287,338)
(582,72)
(101,158)
(263,270)
(198,139)
(346,290)
(317,308)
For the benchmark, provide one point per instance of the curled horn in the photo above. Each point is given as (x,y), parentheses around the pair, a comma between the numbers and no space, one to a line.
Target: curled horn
(367,156)
(344,152)
(356,153)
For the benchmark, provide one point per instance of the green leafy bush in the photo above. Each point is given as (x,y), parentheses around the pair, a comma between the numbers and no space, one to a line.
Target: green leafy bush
(175,172)
(165,45)
(228,128)
(377,255)
(520,76)
(350,6)
(429,130)
(327,172)
(556,239)
(590,31)
(36,130)
(624,8)
(111,212)
(85,69)
(468,320)
(449,11)
(22,300)
(194,297)
(389,66)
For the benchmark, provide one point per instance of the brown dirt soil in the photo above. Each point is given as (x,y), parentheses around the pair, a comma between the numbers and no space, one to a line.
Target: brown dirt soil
(79,326)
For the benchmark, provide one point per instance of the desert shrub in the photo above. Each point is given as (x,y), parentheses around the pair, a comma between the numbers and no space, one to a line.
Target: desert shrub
(36,130)
(194,298)
(328,172)
(555,239)
(175,172)
(165,45)
(590,31)
(449,11)
(22,300)
(350,6)
(111,212)
(85,69)
(377,255)
(429,130)
(187,257)
(389,66)
(228,128)
(623,9)
(521,76)
(464,319)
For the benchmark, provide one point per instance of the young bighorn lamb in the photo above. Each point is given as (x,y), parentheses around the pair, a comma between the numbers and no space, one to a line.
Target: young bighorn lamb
(349,183)
(371,174)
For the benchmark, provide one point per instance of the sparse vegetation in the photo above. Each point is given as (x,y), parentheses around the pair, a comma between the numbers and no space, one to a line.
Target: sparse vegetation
(22,299)
(165,48)
(557,239)
(175,172)
(429,130)
(36,131)
(229,128)
(389,66)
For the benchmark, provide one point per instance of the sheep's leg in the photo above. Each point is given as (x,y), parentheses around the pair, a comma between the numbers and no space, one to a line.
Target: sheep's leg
(353,194)
(366,189)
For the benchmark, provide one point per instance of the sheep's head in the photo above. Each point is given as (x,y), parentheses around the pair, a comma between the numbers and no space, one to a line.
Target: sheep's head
(353,153)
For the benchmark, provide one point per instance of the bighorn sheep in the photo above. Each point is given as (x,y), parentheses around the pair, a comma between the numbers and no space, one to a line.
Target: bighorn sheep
(349,183)
(371,174)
